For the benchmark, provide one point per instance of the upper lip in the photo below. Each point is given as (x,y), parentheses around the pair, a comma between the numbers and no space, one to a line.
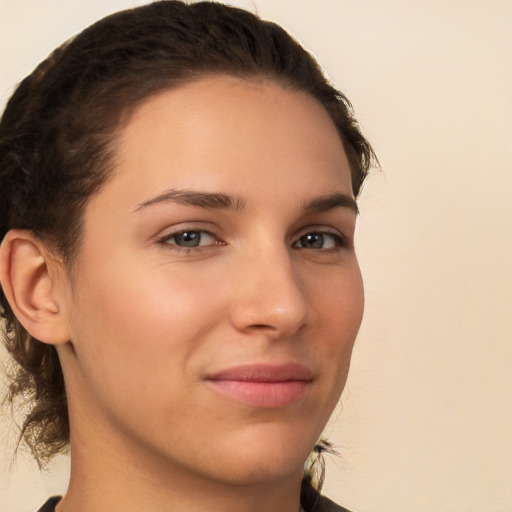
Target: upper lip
(264,373)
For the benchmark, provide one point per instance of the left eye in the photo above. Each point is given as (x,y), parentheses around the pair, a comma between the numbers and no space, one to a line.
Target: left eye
(319,241)
(190,239)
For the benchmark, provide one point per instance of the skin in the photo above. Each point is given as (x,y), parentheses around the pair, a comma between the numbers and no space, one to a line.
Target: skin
(144,322)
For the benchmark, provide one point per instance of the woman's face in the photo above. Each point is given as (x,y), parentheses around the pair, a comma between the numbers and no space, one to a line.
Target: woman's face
(217,293)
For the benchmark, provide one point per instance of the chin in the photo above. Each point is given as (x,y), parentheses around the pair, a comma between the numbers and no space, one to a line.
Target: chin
(268,455)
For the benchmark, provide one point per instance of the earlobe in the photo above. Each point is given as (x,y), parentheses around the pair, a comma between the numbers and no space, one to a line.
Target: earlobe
(28,284)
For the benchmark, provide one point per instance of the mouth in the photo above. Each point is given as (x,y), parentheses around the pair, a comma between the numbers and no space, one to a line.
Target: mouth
(263,385)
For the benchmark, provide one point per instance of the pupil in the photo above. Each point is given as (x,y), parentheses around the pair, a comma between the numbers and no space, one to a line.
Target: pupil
(188,239)
(314,241)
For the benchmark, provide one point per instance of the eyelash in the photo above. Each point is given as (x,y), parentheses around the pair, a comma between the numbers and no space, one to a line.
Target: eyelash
(166,240)
(338,239)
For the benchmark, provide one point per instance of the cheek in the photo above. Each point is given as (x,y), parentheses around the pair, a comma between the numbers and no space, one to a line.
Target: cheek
(137,305)
(339,305)
(138,329)
(339,302)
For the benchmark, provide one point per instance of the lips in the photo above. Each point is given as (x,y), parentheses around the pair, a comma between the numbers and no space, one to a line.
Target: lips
(263,385)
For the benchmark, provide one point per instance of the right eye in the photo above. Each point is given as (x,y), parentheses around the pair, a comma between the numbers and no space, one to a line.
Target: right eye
(189,239)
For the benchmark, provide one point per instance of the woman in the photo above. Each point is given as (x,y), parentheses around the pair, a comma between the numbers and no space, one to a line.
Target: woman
(179,281)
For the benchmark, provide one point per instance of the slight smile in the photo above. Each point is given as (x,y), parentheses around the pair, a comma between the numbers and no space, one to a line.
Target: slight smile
(263,385)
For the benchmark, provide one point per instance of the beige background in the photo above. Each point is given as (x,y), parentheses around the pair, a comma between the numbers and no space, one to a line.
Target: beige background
(426,423)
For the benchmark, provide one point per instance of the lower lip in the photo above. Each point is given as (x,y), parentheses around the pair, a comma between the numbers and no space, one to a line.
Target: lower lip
(262,394)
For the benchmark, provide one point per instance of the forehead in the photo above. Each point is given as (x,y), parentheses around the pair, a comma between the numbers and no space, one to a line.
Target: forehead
(248,138)
(223,123)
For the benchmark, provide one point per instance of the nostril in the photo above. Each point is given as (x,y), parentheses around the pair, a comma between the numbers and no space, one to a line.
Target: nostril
(262,326)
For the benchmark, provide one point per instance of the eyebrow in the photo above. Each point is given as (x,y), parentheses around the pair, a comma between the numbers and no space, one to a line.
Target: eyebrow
(220,201)
(331,201)
(210,200)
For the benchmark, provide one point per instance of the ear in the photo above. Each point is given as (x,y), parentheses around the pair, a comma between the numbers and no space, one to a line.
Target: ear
(28,276)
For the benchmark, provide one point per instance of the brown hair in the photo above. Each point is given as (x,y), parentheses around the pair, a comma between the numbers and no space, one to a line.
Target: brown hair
(58,131)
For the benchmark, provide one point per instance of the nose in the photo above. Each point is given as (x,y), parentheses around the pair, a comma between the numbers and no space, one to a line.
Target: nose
(268,295)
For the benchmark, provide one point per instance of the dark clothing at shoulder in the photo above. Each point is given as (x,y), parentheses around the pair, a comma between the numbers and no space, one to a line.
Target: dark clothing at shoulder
(324,505)
(49,506)
(312,500)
